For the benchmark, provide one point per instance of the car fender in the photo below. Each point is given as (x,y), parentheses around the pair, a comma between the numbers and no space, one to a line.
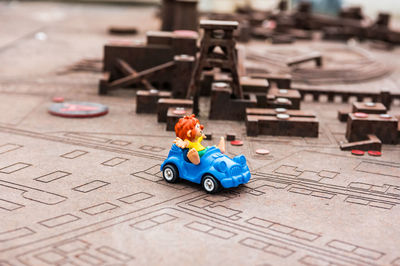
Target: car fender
(171,160)
(215,173)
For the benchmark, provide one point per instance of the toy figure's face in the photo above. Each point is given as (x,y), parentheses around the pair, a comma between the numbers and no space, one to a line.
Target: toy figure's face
(197,132)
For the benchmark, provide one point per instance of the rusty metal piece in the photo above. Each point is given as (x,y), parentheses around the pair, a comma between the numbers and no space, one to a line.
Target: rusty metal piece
(274,112)
(281,80)
(139,76)
(164,103)
(293,95)
(257,86)
(173,116)
(383,19)
(369,108)
(146,101)
(386,129)
(150,59)
(272,125)
(206,82)
(179,15)
(283,5)
(386,98)
(224,107)
(230,136)
(126,69)
(217,50)
(123,30)
(266,121)
(181,75)
(343,115)
(354,12)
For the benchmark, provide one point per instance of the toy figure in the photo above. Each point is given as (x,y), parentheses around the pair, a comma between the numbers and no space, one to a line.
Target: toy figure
(189,134)
(213,171)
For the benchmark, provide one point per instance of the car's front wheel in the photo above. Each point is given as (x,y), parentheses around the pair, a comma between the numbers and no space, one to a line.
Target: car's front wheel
(170,173)
(210,184)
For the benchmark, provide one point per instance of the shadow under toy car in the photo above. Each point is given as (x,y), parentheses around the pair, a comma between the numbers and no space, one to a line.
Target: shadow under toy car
(215,170)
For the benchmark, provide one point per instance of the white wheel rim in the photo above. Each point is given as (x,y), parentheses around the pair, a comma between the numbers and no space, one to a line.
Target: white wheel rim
(209,184)
(168,174)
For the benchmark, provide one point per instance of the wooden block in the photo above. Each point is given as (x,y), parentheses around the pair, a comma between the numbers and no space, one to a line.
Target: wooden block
(184,43)
(273,102)
(369,108)
(219,24)
(271,125)
(208,79)
(103,84)
(209,136)
(174,114)
(159,37)
(282,80)
(255,85)
(343,115)
(230,136)
(164,103)
(293,95)
(224,107)
(274,112)
(386,129)
(146,101)
(139,57)
(181,75)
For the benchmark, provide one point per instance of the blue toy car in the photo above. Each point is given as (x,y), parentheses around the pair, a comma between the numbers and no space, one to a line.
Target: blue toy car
(215,170)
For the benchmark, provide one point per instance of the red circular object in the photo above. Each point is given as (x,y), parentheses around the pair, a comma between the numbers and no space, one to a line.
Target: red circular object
(236,142)
(357,152)
(78,109)
(262,151)
(58,99)
(375,153)
(360,115)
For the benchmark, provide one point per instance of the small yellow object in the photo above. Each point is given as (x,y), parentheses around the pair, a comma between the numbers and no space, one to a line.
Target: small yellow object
(196,144)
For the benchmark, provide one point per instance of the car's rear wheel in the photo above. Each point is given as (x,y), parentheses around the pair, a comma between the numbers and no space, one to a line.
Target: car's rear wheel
(170,173)
(210,184)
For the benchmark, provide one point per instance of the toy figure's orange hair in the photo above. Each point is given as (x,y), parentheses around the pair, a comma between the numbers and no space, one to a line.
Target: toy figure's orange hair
(185,124)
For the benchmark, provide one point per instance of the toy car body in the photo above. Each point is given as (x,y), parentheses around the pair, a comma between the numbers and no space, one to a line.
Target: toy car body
(215,169)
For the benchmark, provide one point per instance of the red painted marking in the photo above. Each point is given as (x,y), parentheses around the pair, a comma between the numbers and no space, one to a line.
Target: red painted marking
(236,142)
(375,153)
(357,152)
(360,115)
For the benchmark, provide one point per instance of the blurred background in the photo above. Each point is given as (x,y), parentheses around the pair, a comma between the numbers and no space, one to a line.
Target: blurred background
(369,7)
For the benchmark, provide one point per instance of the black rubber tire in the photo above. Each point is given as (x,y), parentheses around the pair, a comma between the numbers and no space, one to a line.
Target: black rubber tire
(170,173)
(210,184)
